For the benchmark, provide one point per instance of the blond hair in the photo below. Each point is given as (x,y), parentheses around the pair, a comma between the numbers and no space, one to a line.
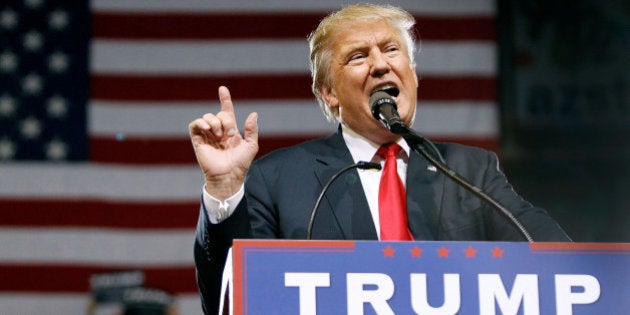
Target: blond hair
(321,39)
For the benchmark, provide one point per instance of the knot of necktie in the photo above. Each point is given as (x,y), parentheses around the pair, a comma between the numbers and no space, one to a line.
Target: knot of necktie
(388,150)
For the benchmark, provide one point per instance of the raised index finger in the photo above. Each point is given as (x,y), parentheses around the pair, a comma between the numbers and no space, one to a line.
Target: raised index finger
(226,100)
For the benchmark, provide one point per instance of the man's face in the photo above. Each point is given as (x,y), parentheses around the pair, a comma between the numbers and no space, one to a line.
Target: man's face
(366,57)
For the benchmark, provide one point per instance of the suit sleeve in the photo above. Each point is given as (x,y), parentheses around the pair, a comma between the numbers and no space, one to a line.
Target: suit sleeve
(536,221)
(254,217)
(212,244)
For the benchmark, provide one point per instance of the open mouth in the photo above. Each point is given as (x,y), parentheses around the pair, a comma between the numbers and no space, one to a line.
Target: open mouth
(391,90)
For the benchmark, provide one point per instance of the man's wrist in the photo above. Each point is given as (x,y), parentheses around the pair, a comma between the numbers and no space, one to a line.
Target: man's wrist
(219,210)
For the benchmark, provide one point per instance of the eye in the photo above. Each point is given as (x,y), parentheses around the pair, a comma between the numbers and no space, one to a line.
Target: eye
(355,58)
(391,48)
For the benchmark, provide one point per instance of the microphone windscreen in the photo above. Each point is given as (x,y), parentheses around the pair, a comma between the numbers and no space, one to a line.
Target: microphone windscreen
(379,98)
(378,95)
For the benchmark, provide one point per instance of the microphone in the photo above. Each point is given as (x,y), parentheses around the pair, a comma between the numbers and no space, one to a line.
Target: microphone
(361,165)
(385,110)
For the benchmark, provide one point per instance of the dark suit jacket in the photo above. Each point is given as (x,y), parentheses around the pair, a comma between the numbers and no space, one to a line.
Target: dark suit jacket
(282,187)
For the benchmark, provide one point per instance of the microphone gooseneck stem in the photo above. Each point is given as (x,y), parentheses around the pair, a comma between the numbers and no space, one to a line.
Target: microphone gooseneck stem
(361,164)
(417,143)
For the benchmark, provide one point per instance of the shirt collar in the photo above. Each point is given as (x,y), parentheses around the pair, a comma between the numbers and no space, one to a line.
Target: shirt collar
(363,149)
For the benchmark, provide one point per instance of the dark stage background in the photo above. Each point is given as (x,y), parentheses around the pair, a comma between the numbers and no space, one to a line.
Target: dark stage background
(564,85)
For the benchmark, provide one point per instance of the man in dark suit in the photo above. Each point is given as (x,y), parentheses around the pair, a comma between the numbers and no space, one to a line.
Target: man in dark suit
(354,52)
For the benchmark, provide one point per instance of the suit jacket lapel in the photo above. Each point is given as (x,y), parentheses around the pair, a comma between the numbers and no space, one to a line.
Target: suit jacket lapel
(345,198)
(425,188)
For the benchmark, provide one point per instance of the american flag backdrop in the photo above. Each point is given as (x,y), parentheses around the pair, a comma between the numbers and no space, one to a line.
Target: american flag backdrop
(97,173)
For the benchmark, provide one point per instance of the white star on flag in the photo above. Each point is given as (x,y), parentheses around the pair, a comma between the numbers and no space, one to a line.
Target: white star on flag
(33,41)
(32,84)
(58,62)
(8,19)
(30,128)
(57,106)
(58,20)
(7,105)
(8,62)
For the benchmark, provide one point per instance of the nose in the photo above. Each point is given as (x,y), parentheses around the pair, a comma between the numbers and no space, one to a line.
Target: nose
(379,64)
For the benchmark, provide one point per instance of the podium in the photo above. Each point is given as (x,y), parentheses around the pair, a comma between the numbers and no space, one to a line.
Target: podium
(370,277)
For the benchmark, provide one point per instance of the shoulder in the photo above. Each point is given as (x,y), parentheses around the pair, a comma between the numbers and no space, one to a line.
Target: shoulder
(458,154)
(456,148)
(287,164)
(305,152)
(300,151)
(297,161)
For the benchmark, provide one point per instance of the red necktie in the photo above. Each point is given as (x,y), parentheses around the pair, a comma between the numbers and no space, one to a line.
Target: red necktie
(392,199)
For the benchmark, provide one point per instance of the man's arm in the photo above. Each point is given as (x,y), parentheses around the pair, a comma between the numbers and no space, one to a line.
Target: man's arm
(212,243)
(224,156)
(536,221)
(464,216)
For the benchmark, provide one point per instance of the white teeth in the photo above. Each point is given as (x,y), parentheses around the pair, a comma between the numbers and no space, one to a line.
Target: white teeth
(390,89)
(384,87)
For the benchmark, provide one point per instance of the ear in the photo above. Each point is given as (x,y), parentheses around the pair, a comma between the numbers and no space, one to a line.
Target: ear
(330,97)
(415,74)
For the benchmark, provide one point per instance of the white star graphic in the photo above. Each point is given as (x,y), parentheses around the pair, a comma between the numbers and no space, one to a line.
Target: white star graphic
(58,19)
(7,149)
(33,41)
(57,106)
(30,128)
(33,4)
(56,150)
(8,19)
(58,62)
(8,61)
(32,84)
(7,105)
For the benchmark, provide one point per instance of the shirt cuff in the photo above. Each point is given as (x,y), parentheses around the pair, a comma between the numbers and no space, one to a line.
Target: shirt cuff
(218,210)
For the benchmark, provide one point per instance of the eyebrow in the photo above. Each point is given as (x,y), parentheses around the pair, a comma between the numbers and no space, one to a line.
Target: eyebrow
(349,48)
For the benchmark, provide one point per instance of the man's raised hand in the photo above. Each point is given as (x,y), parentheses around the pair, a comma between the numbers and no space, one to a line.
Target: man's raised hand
(223,154)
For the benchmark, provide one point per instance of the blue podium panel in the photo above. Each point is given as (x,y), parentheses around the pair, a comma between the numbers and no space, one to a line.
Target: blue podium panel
(368,277)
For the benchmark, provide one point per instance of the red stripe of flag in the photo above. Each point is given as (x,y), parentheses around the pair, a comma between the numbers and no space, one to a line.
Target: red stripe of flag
(217,26)
(98,213)
(168,151)
(67,278)
(270,87)
(179,151)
